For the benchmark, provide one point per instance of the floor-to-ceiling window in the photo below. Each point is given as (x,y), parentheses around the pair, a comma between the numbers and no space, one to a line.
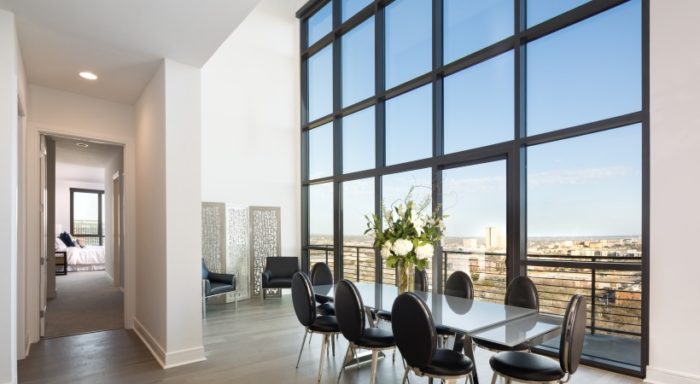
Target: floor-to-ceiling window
(524,122)
(87,216)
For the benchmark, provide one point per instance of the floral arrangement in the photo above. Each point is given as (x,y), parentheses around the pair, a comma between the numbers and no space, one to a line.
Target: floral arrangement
(408,235)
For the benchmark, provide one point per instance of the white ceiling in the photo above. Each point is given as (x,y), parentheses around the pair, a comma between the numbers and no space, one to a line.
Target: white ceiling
(95,155)
(122,41)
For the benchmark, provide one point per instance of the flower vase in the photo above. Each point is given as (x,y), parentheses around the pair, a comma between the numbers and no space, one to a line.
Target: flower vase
(404,276)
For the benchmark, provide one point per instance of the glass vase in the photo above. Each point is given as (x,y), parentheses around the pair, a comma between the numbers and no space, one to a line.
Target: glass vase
(404,276)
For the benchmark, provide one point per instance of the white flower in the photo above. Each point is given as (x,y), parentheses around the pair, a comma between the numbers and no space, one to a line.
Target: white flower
(425,251)
(401,210)
(402,247)
(386,248)
(418,224)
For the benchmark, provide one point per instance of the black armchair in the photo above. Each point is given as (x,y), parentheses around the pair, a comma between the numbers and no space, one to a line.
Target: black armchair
(214,284)
(278,272)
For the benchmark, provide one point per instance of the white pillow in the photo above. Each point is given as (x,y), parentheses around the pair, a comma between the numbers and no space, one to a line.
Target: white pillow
(60,245)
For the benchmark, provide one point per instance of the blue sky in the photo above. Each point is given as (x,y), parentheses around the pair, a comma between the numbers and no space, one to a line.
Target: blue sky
(590,71)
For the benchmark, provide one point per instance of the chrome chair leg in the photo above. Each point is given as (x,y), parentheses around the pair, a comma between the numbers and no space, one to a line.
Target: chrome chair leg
(346,360)
(405,376)
(493,379)
(235,299)
(332,337)
(375,358)
(306,332)
(324,350)
(393,356)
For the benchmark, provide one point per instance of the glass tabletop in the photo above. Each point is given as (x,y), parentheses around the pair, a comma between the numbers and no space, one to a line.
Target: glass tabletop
(461,315)
(536,329)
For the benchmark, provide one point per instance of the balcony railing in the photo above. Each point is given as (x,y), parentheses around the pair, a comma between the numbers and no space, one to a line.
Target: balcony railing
(611,285)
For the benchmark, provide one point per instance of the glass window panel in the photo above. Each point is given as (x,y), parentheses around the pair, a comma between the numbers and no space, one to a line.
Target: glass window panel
(586,72)
(358,141)
(475,205)
(320,24)
(409,121)
(85,213)
(358,63)
(321,151)
(543,10)
(321,83)
(583,188)
(358,254)
(395,190)
(473,25)
(408,40)
(479,105)
(321,214)
(350,7)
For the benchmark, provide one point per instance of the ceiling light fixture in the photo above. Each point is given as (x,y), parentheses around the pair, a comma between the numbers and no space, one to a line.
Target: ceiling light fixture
(82,145)
(88,75)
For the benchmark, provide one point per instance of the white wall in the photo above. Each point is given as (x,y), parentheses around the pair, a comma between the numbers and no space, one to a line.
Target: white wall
(168,312)
(250,117)
(150,317)
(183,211)
(675,187)
(8,197)
(63,187)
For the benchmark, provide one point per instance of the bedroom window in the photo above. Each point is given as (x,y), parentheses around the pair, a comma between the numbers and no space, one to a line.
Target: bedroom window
(87,216)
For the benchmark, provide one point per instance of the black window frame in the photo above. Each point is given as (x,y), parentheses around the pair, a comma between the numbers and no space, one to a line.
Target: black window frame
(100,219)
(513,151)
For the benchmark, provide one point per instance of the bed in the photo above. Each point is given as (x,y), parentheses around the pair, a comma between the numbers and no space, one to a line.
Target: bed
(87,258)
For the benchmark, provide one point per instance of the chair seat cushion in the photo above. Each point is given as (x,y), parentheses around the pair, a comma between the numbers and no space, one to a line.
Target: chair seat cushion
(376,338)
(526,366)
(325,324)
(326,309)
(499,347)
(447,362)
(279,282)
(217,288)
(384,315)
(444,331)
(323,299)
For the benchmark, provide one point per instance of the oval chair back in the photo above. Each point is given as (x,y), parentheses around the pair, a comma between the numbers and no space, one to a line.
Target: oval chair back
(414,329)
(303,299)
(522,292)
(321,274)
(573,332)
(459,284)
(349,310)
(421,280)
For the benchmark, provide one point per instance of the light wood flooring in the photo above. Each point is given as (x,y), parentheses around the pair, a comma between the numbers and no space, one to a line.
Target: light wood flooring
(258,343)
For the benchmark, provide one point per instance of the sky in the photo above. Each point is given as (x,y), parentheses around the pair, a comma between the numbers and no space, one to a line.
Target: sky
(585,186)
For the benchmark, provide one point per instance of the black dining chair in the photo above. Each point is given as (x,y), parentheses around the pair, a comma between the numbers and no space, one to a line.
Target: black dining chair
(420,283)
(352,320)
(521,292)
(459,284)
(532,368)
(321,275)
(416,338)
(305,309)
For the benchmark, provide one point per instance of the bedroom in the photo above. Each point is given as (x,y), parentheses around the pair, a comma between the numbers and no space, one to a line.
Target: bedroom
(84,274)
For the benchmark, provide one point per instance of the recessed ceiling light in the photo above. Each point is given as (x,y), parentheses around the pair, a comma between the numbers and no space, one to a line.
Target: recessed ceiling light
(88,75)
(82,145)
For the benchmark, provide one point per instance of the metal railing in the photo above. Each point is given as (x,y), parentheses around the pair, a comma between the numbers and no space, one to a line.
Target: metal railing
(611,284)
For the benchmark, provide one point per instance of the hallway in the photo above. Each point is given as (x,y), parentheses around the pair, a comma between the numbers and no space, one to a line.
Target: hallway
(85,302)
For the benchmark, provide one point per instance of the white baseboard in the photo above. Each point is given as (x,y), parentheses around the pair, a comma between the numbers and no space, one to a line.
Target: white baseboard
(168,359)
(184,357)
(666,376)
(156,349)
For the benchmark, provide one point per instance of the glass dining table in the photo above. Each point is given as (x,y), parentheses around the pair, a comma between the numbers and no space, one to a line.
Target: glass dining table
(497,323)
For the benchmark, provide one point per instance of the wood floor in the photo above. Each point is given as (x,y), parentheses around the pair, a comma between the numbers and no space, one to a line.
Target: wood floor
(256,344)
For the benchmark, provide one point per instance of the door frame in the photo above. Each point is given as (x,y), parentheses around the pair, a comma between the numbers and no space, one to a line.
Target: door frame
(33,195)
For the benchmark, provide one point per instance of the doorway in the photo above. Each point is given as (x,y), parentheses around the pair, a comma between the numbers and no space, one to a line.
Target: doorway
(83,223)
